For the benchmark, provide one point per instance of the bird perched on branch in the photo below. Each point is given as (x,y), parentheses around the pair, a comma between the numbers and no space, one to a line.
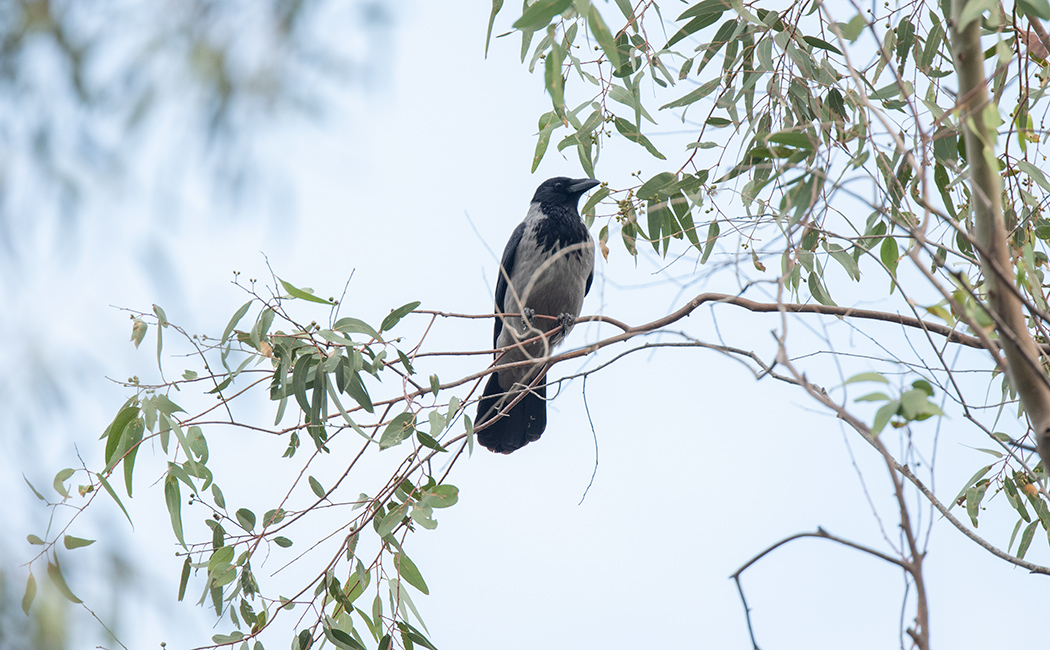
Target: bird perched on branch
(546,270)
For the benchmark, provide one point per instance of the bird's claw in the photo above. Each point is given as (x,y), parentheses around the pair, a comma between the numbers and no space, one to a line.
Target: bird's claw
(527,313)
(566,321)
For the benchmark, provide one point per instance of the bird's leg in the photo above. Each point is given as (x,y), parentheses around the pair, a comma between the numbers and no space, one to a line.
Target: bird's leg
(566,321)
(527,314)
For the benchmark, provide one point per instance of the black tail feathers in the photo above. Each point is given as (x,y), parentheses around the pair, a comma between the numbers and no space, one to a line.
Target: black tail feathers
(522,425)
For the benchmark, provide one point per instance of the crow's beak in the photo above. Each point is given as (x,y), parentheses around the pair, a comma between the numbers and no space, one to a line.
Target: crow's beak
(582,185)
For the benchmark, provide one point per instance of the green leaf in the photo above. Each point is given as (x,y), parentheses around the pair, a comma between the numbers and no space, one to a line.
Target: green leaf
(391,520)
(185,579)
(301,294)
(1035,173)
(396,315)
(407,569)
(709,245)
(628,131)
(650,188)
(115,431)
(823,45)
(817,290)
(704,14)
(553,79)
(413,635)
(599,194)
(889,255)
(60,478)
(695,95)
(76,542)
(440,496)
(873,397)
(138,331)
(223,639)
(844,259)
(1026,539)
(237,316)
(792,139)
(272,517)
(162,320)
(131,439)
(429,441)
(496,6)
(978,475)
(603,36)
(316,486)
(355,388)
(356,326)
(55,573)
(866,376)
(300,374)
(283,542)
(1040,8)
(400,428)
(246,518)
(30,594)
(548,122)
(851,30)
(216,494)
(341,639)
(37,493)
(174,503)
(537,15)
(34,540)
(883,415)
(112,493)
(220,558)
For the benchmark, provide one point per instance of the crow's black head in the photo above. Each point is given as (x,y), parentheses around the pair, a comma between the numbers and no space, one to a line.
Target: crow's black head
(563,191)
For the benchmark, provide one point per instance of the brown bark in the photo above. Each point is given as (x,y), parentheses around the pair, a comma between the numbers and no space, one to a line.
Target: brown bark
(1025,367)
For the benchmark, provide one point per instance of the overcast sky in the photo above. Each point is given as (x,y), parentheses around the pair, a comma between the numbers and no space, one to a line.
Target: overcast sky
(413,187)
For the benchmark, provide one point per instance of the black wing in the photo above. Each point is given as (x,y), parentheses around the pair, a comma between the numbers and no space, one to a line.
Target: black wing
(587,289)
(506,270)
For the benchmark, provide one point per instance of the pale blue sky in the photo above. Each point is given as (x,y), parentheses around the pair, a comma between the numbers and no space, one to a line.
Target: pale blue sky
(700,467)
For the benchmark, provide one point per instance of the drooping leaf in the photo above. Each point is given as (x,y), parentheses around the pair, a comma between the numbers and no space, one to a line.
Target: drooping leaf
(400,428)
(138,331)
(30,594)
(703,14)
(55,573)
(629,131)
(409,572)
(540,13)
(603,36)
(174,503)
(185,578)
(109,489)
(496,6)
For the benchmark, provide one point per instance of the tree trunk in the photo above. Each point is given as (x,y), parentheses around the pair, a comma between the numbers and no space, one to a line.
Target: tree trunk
(1026,371)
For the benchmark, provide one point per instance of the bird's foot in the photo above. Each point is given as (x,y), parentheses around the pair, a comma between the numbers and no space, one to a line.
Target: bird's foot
(566,321)
(527,313)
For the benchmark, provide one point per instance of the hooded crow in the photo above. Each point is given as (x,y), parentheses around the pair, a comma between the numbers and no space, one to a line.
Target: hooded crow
(546,270)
